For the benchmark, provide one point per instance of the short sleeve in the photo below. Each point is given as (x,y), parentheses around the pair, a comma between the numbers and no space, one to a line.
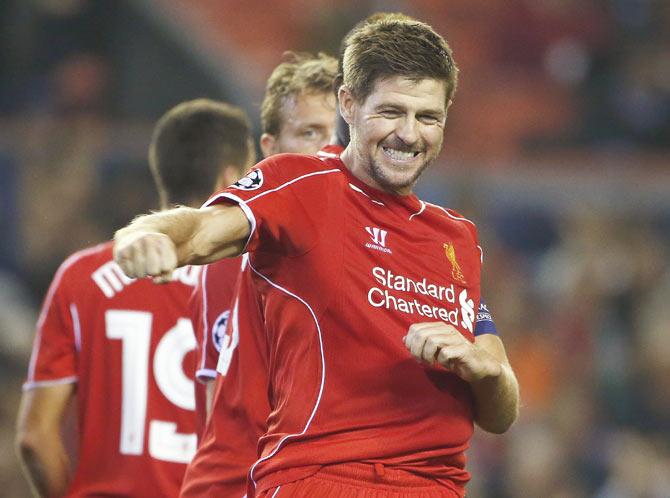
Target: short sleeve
(284,198)
(209,308)
(55,349)
(195,307)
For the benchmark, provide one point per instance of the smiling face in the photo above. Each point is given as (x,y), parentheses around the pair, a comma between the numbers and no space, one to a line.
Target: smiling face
(307,122)
(396,132)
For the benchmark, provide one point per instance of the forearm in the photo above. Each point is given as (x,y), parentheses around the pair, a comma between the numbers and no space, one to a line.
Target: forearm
(45,464)
(496,398)
(210,396)
(199,236)
(178,224)
(482,364)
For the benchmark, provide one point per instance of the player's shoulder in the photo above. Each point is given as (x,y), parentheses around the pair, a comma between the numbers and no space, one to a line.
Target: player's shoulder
(85,259)
(451,216)
(288,166)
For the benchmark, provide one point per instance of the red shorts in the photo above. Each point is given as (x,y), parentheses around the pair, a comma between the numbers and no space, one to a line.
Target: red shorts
(355,480)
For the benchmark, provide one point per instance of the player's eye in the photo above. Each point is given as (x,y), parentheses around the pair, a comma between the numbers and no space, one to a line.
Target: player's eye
(428,119)
(390,113)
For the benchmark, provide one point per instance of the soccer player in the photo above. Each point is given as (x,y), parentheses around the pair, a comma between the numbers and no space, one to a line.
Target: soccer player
(369,294)
(297,116)
(117,345)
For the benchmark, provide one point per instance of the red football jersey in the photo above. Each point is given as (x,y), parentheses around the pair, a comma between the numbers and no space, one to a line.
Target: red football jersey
(343,270)
(128,345)
(241,405)
(209,309)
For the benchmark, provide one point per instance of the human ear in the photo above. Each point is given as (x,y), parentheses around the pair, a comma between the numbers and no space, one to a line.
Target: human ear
(347,104)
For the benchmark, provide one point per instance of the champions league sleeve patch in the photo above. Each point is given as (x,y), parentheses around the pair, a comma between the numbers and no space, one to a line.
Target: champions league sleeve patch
(252,181)
(219,330)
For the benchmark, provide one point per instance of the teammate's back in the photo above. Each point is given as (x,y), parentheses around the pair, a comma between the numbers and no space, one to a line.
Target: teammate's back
(124,342)
(122,348)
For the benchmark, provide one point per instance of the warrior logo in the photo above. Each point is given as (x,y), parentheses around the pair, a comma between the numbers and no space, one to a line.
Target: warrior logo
(378,237)
(456,272)
(252,181)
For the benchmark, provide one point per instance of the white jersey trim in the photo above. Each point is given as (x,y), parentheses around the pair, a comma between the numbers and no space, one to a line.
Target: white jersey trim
(360,191)
(48,300)
(321,387)
(205,323)
(205,375)
(76,325)
(286,184)
(322,154)
(245,209)
(35,384)
(423,208)
(460,218)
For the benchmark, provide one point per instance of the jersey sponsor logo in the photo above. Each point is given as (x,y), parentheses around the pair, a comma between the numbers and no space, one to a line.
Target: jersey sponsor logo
(467,311)
(219,330)
(456,272)
(378,237)
(252,181)
(453,307)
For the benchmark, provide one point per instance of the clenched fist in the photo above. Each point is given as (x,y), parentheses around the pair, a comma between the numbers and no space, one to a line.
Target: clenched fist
(438,342)
(145,254)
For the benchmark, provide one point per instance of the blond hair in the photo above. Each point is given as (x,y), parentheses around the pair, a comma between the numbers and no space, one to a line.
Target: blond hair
(298,74)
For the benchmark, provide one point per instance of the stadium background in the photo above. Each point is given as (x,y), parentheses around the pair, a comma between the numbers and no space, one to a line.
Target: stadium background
(557,145)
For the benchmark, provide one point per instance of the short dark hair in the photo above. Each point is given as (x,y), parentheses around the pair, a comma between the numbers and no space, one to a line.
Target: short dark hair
(396,47)
(191,144)
(342,136)
(298,73)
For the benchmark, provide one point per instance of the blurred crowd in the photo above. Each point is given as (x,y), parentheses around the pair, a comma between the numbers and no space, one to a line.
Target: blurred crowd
(579,292)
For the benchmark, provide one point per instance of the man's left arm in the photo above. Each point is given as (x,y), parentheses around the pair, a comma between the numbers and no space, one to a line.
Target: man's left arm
(39,443)
(483,364)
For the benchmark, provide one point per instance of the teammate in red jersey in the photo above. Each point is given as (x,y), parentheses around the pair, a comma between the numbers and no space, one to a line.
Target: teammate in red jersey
(368,294)
(297,115)
(118,346)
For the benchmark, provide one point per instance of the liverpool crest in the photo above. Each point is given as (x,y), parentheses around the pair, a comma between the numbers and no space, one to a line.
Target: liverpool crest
(456,272)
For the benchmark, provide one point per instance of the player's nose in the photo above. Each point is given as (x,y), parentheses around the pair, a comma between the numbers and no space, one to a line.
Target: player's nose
(407,130)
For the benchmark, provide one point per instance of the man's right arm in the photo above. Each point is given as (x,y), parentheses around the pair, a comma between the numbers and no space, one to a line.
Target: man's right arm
(38,439)
(155,244)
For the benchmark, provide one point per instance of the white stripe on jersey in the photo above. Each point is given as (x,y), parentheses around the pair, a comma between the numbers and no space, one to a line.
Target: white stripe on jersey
(423,208)
(245,209)
(451,215)
(55,284)
(204,375)
(76,326)
(323,376)
(325,172)
(27,386)
(355,188)
(205,323)
(481,252)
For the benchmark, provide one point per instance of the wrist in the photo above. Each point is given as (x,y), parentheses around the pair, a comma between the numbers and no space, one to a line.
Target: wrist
(490,368)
